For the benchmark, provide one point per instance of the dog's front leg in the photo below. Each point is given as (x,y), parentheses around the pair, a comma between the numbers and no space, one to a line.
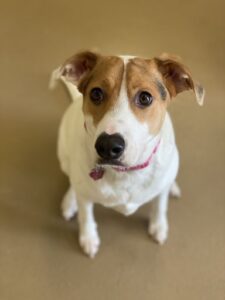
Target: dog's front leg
(158,226)
(88,234)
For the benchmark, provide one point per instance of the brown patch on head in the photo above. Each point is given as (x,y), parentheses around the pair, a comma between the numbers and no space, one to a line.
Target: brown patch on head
(143,75)
(107,75)
(163,78)
(88,70)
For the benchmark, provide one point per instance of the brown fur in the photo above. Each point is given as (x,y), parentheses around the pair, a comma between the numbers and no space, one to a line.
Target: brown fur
(143,75)
(107,74)
(177,77)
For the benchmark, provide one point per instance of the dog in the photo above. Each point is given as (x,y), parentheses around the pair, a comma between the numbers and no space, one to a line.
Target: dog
(116,140)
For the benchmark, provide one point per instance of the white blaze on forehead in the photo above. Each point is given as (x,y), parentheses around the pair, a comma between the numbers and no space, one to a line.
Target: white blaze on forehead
(126,58)
(123,97)
(115,117)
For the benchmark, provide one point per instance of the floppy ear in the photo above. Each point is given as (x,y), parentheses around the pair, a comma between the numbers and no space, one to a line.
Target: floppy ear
(178,78)
(75,68)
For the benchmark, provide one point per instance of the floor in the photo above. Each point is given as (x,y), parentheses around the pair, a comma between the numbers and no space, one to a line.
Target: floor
(39,254)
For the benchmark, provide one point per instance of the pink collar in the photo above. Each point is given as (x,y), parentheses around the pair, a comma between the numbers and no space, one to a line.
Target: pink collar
(98,172)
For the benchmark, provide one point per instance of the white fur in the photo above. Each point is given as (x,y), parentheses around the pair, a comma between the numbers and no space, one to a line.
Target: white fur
(124,192)
(175,190)
(69,204)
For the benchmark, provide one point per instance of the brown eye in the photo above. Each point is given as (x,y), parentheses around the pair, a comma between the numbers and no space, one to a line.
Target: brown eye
(144,99)
(96,95)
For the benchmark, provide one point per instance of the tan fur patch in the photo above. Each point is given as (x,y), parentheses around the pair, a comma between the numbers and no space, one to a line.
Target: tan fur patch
(143,75)
(107,75)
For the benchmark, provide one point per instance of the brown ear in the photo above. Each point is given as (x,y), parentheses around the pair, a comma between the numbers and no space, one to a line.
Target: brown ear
(79,65)
(177,77)
(74,69)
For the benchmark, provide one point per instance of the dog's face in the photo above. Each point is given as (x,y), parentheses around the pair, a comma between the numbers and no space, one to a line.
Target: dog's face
(125,101)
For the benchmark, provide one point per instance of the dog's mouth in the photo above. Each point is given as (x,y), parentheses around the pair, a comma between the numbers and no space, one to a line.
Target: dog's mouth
(110,163)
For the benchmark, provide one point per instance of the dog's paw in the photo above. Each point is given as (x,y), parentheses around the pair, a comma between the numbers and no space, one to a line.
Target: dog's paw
(69,205)
(90,244)
(159,231)
(175,190)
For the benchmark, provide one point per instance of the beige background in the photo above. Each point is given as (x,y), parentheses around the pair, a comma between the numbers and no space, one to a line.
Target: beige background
(39,254)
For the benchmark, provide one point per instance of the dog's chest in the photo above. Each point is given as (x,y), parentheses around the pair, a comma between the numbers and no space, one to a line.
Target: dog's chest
(128,193)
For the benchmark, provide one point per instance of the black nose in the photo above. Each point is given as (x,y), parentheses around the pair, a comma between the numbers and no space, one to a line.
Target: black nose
(110,146)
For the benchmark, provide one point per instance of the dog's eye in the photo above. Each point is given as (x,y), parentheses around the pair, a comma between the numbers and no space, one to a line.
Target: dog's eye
(144,99)
(96,95)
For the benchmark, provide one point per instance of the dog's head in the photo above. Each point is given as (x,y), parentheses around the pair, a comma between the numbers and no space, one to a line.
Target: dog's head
(125,101)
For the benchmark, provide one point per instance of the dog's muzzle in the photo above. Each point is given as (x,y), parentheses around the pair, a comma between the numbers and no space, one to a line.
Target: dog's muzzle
(98,172)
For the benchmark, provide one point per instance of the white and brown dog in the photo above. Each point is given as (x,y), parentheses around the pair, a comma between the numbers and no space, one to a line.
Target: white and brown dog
(116,140)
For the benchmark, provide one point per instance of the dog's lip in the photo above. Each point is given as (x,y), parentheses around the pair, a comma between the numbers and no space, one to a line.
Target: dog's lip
(111,163)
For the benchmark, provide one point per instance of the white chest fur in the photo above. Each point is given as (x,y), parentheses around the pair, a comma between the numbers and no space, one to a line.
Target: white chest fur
(127,192)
